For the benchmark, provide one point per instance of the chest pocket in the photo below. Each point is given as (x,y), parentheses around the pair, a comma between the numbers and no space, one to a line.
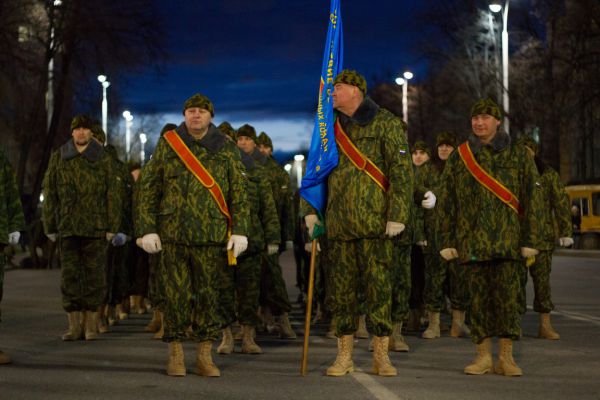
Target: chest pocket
(507,172)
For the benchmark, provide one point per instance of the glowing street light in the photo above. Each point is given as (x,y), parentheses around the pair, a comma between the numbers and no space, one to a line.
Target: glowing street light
(128,123)
(143,140)
(298,159)
(404,83)
(105,84)
(496,7)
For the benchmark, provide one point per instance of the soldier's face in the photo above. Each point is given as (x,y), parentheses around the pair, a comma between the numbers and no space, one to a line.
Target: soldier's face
(444,151)
(197,119)
(81,136)
(484,126)
(344,95)
(266,150)
(419,157)
(246,144)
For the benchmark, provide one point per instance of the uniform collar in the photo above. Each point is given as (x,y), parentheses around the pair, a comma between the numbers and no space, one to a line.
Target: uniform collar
(258,157)
(498,143)
(214,140)
(365,113)
(93,151)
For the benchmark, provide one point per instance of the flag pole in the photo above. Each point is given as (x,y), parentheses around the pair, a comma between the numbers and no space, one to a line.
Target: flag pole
(311,283)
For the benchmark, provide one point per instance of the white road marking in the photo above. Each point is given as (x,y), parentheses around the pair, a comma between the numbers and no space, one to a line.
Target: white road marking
(379,391)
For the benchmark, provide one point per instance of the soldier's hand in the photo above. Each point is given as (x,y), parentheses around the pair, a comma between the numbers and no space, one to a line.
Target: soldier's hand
(566,241)
(119,239)
(13,237)
(527,252)
(151,243)
(308,247)
(311,220)
(393,228)
(449,253)
(238,243)
(272,249)
(429,200)
(52,237)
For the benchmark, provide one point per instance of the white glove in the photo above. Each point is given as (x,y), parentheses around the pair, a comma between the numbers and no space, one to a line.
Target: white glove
(422,243)
(289,245)
(52,237)
(527,252)
(308,247)
(565,241)
(449,254)
(272,249)
(238,243)
(13,237)
(119,239)
(311,220)
(151,243)
(109,236)
(429,200)
(393,228)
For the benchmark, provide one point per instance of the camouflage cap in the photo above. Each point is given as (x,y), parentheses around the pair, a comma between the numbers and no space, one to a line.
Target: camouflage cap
(247,130)
(528,141)
(351,77)
(486,106)
(200,101)
(448,138)
(265,140)
(421,145)
(98,133)
(168,127)
(226,128)
(81,121)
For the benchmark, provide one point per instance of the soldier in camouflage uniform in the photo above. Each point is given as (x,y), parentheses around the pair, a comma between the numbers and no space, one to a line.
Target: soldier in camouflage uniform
(555,223)
(488,237)
(274,297)
(12,221)
(178,215)
(438,271)
(240,286)
(362,218)
(82,209)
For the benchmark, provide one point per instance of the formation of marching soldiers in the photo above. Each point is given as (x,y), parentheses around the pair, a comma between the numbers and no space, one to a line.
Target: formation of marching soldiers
(199,230)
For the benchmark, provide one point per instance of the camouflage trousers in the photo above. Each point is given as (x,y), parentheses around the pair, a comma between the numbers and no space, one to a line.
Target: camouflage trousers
(239,291)
(117,274)
(139,260)
(444,278)
(400,282)
(190,275)
(273,292)
(361,265)
(417,277)
(156,286)
(540,275)
(83,275)
(495,309)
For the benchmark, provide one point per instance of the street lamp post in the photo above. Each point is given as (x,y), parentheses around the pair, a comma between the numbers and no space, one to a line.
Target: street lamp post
(404,83)
(143,140)
(298,158)
(495,7)
(128,123)
(105,84)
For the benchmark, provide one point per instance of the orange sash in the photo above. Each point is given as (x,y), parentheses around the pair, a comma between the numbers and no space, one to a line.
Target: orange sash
(488,181)
(358,159)
(205,178)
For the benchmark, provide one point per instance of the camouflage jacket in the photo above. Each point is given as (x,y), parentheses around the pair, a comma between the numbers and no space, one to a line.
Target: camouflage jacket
(554,212)
(357,208)
(82,192)
(264,223)
(473,220)
(11,211)
(429,178)
(175,205)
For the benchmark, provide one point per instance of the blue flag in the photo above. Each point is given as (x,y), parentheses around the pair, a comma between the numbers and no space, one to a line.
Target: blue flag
(323,154)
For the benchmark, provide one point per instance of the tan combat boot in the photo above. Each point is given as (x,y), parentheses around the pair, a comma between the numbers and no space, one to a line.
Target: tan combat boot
(343,362)
(285,329)
(154,324)
(91,325)
(268,319)
(120,311)
(75,331)
(546,331)
(176,364)
(397,342)
(226,346)
(111,314)
(249,346)
(362,332)
(102,320)
(4,358)
(161,331)
(506,364)
(459,328)
(382,365)
(204,362)
(433,330)
(483,362)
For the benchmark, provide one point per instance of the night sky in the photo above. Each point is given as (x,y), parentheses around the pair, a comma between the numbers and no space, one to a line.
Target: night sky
(259,61)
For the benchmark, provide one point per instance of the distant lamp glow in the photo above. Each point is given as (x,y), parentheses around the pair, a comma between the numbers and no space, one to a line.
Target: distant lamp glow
(101,78)
(128,122)
(298,157)
(143,140)
(403,81)
(41,198)
(495,6)
(288,168)
(400,81)
(408,75)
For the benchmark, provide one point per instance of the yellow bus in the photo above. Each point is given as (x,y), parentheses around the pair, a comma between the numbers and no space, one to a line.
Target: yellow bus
(587,200)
